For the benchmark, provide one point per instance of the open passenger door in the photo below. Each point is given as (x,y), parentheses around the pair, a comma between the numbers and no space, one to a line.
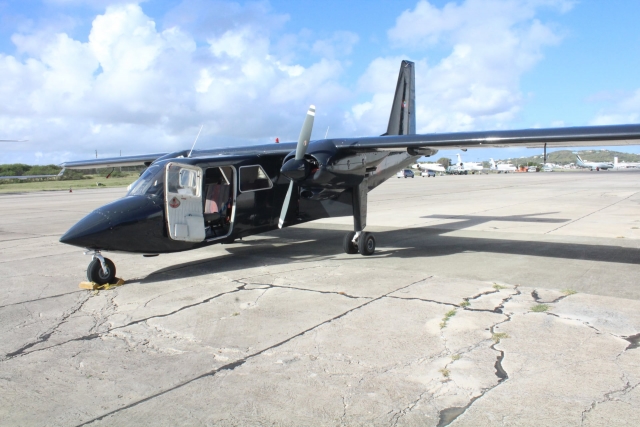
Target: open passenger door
(183,202)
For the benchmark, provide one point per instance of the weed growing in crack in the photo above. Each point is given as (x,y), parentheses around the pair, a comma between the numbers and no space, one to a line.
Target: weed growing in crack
(448,315)
(445,372)
(569,291)
(465,303)
(498,287)
(236,314)
(540,308)
(455,357)
(497,336)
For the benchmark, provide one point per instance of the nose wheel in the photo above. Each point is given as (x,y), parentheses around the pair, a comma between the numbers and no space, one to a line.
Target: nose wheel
(101,270)
(365,243)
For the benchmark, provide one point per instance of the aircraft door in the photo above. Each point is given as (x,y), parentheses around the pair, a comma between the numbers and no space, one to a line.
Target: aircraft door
(183,202)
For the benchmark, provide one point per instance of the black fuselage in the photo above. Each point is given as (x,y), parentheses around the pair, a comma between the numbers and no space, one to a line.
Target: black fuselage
(139,223)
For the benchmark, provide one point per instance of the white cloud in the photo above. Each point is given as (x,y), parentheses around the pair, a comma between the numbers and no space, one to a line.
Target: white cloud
(625,110)
(143,85)
(340,44)
(134,87)
(491,45)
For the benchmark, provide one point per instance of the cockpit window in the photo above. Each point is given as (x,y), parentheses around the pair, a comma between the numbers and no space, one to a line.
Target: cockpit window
(150,183)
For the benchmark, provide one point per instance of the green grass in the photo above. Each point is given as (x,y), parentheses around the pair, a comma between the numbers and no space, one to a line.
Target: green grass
(540,308)
(465,303)
(445,372)
(569,291)
(58,185)
(498,287)
(496,337)
(455,357)
(448,315)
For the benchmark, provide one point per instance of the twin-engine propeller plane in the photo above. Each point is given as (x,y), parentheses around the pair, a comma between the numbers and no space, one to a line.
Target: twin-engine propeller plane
(190,199)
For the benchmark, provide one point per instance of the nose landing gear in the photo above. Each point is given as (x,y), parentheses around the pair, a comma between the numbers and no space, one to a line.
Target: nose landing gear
(101,270)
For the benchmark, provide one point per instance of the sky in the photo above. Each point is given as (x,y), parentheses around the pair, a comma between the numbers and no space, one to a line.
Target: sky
(133,77)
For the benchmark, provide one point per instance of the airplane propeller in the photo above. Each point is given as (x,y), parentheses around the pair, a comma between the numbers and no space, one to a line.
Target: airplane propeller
(297,167)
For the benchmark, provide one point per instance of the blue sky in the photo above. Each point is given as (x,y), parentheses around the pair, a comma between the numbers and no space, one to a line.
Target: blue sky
(84,75)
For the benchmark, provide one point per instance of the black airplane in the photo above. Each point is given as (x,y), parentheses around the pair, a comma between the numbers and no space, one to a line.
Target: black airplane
(190,199)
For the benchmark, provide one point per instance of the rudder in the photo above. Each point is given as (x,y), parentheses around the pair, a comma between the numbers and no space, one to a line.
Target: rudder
(402,120)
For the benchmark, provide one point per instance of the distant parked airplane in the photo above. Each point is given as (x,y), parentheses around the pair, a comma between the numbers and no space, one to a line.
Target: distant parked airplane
(594,166)
(504,167)
(624,165)
(469,166)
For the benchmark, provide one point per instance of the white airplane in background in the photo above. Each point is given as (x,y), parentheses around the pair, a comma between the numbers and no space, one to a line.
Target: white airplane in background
(594,166)
(469,166)
(624,165)
(436,167)
(504,167)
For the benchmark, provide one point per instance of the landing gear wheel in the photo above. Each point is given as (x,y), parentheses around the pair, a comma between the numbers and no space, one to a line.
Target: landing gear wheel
(348,245)
(366,244)
(96,275)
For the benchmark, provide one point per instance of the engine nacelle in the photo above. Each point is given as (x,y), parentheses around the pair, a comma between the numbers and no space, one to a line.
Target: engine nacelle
(422,151)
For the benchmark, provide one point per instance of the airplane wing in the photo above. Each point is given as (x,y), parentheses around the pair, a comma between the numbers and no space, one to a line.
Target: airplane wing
(527,138)
(114,162)
(147,159)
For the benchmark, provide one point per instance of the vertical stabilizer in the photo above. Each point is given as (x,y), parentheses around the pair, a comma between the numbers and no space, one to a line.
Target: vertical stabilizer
(459,160)
(615,161)
(403,120)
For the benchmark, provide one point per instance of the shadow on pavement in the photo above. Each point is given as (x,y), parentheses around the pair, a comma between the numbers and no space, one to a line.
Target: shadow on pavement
(304,245)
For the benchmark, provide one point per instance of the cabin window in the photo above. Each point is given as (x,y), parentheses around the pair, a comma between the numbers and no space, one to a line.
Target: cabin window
(150,183)
(254,178)
(183,181)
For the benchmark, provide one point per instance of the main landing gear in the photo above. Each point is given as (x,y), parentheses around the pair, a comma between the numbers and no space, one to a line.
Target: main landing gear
(361,242)
(101,270)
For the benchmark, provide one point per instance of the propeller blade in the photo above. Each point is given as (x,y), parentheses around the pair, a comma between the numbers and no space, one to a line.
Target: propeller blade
(305,133)
(285,205)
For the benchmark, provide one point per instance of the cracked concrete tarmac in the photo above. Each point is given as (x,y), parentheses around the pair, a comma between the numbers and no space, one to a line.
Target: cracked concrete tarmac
(438,328)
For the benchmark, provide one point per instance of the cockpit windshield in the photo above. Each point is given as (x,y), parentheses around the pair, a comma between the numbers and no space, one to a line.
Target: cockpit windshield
(150,183)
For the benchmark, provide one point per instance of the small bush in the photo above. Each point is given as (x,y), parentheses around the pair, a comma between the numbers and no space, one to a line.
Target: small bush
(540,308)
(498,336)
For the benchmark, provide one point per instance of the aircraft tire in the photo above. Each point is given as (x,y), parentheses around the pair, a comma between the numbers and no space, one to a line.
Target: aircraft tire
(366,244)
(348,245)
(96,275)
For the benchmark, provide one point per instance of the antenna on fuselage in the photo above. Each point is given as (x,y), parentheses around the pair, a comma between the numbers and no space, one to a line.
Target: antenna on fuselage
(194,142)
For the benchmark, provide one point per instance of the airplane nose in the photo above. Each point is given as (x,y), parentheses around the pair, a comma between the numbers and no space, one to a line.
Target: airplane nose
(86,233)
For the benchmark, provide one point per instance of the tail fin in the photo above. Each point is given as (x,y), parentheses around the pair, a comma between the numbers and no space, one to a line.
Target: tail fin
(402,120)
(459,159)
(493,164)
(615,161)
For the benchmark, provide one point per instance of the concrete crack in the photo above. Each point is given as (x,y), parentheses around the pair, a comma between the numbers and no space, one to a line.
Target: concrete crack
(448,415)
(92,336)
(240,362)
(396,417)
(45,336)
(40,299)
(612,395)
